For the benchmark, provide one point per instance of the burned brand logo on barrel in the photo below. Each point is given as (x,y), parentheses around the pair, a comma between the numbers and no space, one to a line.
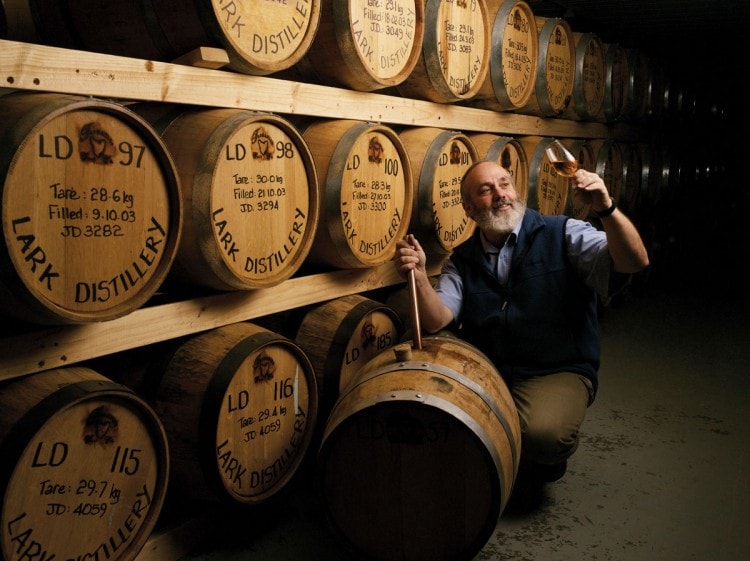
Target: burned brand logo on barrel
(368,334)
(101,427)
(95,144)
(455,153)
(262,144)
(375,150)
(264,368)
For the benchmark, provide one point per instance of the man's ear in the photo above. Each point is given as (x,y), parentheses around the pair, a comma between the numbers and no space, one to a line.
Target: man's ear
(468,209)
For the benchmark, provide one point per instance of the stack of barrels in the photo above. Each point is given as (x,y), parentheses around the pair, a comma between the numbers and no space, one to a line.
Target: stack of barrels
(105,204)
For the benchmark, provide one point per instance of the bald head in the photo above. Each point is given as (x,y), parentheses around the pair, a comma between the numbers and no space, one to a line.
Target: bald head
(478,173)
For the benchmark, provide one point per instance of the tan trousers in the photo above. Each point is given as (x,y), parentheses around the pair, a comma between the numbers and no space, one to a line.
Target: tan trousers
(551,410)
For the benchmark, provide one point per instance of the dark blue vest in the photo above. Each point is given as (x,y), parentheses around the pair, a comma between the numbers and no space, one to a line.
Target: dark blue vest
(544,319)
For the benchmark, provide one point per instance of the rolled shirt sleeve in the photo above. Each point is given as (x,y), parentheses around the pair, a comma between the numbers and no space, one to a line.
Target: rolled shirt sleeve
(589,256)
(450,288)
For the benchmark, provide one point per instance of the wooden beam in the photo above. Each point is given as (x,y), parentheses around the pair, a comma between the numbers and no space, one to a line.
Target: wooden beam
(42,68)
(60,346)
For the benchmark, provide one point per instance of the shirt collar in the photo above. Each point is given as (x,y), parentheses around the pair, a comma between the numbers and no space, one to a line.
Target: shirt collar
(489,248)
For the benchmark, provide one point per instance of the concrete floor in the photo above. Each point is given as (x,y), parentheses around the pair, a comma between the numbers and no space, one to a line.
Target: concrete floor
(662,470)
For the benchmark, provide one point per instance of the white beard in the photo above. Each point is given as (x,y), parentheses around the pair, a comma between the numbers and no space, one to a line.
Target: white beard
(505,223)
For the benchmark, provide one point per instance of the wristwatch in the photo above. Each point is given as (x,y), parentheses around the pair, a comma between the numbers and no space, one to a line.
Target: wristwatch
(607,212)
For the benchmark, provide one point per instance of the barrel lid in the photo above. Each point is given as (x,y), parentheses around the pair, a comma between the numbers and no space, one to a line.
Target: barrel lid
(262,37)
(96,456)
(631,173)
(589,81)
(438,216)
(616,82)
(91,208)
(366,45)
(638,80)
(241,396)
(342,335)
(259,411)
(555,70)
(252,208)
(367,197)
(455,52)
(514,54)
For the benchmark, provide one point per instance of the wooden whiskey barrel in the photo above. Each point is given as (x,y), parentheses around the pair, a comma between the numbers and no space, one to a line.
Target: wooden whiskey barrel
(420,453)
(589,78)
(555,70)
(19,23)
(584,152)
(366,191)
(250,195)
(260,37)
(657,92)
(239,404)
(683,101)
(507,152)
(631,177)
(672,171)
(455,52)
(638,78)
(91,212)
(439,159)
(365,45)
(609,164)
(514,52)
(652,169)
(84,465)
(341,336)
(616,76)
(548,190)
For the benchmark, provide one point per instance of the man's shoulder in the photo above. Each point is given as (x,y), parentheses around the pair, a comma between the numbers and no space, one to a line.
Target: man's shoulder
(534,217)
(534,220)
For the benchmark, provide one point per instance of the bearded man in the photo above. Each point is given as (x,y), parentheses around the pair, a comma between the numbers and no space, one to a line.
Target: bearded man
(525,289)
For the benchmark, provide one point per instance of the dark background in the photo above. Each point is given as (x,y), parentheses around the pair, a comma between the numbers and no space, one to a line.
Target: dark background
(702,49)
